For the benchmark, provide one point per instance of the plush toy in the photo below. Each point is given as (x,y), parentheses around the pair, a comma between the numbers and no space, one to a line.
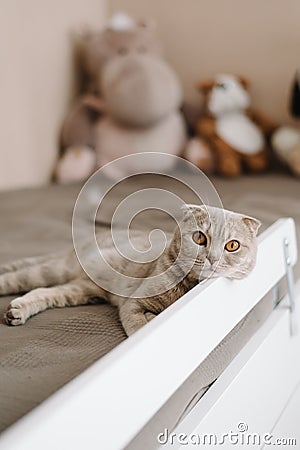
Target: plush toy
(230,136)
(286,139)
(129,103)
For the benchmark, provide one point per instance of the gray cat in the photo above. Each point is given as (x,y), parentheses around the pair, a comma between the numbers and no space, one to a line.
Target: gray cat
(208,242)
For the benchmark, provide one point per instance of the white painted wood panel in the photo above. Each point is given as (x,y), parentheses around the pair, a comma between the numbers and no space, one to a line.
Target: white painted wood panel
(253,390)
(109,403)
(288,425)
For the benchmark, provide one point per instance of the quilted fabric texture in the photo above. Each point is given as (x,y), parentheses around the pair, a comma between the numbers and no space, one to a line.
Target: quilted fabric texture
(53,347)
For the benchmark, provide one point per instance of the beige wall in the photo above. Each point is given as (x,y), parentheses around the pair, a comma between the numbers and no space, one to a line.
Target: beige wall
(260,39)
(36,82)
(257,38)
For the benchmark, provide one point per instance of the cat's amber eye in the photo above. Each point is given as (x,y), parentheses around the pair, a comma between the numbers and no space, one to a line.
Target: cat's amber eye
(232,246)
(199,238)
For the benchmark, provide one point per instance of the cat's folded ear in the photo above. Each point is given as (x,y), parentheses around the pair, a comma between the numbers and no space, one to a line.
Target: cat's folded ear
(252,223)
(189,210)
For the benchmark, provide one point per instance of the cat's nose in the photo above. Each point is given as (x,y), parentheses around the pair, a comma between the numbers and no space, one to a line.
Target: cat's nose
(212,260)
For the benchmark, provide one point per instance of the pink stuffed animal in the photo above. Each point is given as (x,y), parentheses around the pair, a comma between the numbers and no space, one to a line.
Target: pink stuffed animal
(130,102)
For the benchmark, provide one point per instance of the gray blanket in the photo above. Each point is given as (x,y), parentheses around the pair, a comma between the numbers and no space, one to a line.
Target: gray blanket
(53,347)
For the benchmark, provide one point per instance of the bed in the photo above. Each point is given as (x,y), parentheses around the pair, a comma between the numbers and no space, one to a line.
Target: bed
(55,347)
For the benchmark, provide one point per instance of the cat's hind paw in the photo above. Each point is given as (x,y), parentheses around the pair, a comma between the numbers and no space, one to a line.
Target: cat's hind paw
(15,314)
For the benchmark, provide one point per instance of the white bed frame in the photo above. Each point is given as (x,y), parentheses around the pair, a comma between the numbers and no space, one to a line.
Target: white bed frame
(108,404)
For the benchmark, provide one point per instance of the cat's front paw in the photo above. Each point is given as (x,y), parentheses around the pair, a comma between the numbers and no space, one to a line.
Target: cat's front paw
(16,313)
(149,316)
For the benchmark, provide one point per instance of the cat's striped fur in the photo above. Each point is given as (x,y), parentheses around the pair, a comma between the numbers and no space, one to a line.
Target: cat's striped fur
(58,280)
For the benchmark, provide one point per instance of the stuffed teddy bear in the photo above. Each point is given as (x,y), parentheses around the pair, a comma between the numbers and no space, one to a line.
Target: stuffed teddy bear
(286,139)
(129,103)
(230,136)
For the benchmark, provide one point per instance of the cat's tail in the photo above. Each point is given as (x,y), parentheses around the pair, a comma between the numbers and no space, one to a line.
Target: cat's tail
(32,273)
(26,262)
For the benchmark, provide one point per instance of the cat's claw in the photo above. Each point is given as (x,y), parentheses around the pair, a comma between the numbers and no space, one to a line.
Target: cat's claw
(15,315)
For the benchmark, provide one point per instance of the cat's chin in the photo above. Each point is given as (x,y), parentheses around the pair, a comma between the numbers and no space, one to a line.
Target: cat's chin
(213,274)
(209,274)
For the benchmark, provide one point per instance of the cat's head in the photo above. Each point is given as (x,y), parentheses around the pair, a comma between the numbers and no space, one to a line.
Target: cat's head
(222,243)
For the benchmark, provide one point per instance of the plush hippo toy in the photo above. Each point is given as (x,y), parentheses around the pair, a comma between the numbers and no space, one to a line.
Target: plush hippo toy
(230,136)
(129,103)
